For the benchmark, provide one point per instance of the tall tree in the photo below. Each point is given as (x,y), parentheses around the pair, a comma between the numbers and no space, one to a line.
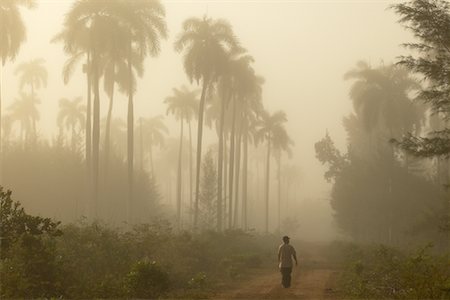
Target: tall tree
(145,26)
(71,115)
(78,40)
(13,31)
(24,111)
(155,131)
(12,36)
(270,126)
(205,43)
(281,143)
(183,105)
(85,29)
(237,78)
(247,87)
(208,192)
(118,132)
(114,69)
(381,98)
(219,115)
(250,110)
(34,75)
(429,21)
(139,24)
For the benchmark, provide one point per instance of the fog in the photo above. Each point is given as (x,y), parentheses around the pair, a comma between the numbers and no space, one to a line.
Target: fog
(301,48)
(155,149)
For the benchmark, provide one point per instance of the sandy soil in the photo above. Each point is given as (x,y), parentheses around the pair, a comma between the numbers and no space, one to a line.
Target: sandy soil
(311,284)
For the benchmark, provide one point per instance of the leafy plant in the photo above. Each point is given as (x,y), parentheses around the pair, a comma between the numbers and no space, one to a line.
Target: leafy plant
(147,280)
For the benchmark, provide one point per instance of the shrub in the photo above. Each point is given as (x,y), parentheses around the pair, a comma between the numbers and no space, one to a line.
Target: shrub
(147,280)
(28,260)
(31,269)
(383,272)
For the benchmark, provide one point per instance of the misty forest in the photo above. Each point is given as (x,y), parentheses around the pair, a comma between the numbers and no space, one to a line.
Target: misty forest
(161,149)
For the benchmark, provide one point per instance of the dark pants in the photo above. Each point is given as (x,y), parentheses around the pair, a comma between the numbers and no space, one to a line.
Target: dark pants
(286,277)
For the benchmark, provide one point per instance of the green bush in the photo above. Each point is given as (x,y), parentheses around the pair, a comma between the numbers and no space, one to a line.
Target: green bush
(147,280)
(31,269)
(95,260)
(29,265)
(383,272)
(42,259)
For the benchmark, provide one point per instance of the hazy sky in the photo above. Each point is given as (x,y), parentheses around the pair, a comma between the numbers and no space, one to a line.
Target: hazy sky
(301,48)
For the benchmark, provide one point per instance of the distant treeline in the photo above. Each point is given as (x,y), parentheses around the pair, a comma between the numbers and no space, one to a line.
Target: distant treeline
(392,185)
(109,42)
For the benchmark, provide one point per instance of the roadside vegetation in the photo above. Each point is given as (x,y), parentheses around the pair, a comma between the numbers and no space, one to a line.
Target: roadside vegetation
(42,258)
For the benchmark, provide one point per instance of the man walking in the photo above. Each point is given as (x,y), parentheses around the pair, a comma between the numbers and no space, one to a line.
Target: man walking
(285,254)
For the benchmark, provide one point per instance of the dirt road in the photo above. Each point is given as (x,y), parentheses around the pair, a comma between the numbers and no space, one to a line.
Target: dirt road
(311,284)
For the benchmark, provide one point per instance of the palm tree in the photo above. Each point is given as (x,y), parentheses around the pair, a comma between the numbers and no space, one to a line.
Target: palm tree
(86,28)
(381,99)
(237,84)
(115,71)
(34,75)
(233,78)
(247,90)
(205,43)
(71,115)
(25,112)
(155,130)
(118,29)
(118,130)
(12,35)
(144,26)
(77,38)
(270,126)
(13,31)
(219,115)
(7,122)
(183,105)
(281,143)
(251,107)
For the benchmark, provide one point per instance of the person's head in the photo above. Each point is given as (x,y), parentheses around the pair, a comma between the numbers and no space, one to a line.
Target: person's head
(286,239)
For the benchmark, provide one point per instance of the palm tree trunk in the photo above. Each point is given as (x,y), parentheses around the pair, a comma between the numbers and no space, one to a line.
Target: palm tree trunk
(190,173)
(231,171)
(244,178)
(96,133)
(225,179)
(279,189)
(150,150)
(1,127)
(391,192)
(199,148)
(267,184)
(179,177)
(108,132)
(220,165)
(141,147)
(130,138)
(88,129)
(238,168)
(33,119)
